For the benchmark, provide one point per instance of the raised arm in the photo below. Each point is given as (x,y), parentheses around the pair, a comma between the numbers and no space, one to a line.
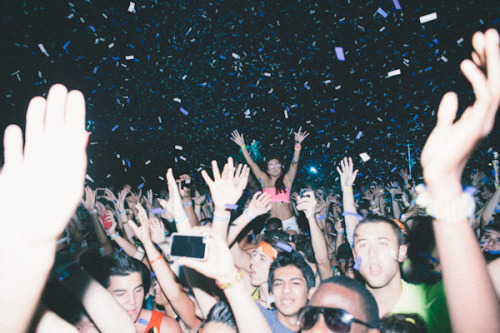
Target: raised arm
(444,157)
(347,178)
(307,204)
(294,165)
(53,158)
(237,138)
(180,301)
(226,190)
(219,266)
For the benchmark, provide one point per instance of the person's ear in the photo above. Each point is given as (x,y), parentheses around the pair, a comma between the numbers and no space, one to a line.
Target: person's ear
(403,250)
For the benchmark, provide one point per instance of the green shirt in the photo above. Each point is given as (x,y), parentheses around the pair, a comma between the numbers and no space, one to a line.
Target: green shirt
(428,301)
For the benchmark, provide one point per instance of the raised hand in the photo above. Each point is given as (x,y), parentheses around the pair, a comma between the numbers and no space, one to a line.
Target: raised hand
(300,136)
(347,175)
(89,200)
(48,172)
(108,195)
(377,191)
(157,231)
(174,204)
(237,138)
(241,175)
(143,232)
(307,204)
(185,191)
(199,199)
(223,187)
(450,144)
(260,204)
(149,200)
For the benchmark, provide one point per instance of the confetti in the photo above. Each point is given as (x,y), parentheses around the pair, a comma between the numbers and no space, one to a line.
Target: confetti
(357,264)
(284,247)
(131,7)
(428,18)
(394,73)
(43,50)
(396,4)
(339,51)
(382,12)
(114,128)
(365,157)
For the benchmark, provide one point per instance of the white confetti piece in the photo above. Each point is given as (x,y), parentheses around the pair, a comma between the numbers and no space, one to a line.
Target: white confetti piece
(147,162)
(359,135)
(111,45)
(428,17)
(43,50)
(129,57)
(131,7)
(178,100)
(235,56)
(394,73)
(89,178)
(161,178)
(182,158)
(178,147)
(286,114)
(365,157)
(108,175)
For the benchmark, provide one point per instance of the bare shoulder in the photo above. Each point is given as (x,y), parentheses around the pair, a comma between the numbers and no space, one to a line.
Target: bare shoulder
(169,325)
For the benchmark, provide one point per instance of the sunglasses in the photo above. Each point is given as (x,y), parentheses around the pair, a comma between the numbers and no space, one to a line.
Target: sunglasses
(337,320)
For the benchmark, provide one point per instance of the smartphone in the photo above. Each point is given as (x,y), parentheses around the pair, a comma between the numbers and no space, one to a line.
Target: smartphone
(189,246)
(186,183)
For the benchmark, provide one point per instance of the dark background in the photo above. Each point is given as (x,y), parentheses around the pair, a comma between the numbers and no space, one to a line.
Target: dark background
(287,61)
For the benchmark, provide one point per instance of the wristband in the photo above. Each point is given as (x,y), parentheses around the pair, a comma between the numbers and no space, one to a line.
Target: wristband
(93,211)
(197,205)
(120,212)
(187,204)
(221,219)
(114,235)
(348,189)
(247,213)
(180,219)
(297,147)
(115,202)
(155,260)
(243,146)
(227,285)
(293,160)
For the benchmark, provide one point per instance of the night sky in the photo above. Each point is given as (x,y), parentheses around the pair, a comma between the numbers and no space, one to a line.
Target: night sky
(167,81)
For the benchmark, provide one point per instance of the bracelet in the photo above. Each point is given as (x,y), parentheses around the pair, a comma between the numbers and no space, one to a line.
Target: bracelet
(155,260)
(120,212)
(187,204)
(221,219)
(348,189)
(243,146)
(247,213)
(293,160)
(236,279)
(447,211)
(115,202)
(93,212)
(114,235)
(180,219)
(197,205)
(297,147)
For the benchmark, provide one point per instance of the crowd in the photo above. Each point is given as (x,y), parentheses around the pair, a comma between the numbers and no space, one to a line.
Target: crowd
(399,257)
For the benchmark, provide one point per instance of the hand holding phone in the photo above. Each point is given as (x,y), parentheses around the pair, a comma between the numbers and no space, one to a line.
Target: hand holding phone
(191,246)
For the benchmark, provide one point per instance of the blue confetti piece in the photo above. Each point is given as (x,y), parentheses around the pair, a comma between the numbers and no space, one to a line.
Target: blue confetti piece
(253,236)
(183,111)
(66,45)
(470,189)
(382,12)
(140,186)
(339,52)
(359,217)
(230,206)
(396,4)
(121,249)
(92,28)
(284,247)
(128,162)
(394,169)
(143,321)
(153,275)
(322,217)
(157,211)
(114,128)
(307,87)
(357,264)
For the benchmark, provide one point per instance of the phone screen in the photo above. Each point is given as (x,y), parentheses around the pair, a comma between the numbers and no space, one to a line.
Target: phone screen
(188,246)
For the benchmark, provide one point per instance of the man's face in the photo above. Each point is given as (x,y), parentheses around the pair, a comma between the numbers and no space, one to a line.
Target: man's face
(330,295)
(290,290)
(377,245)
(259,268)
(129,292)
(490,241)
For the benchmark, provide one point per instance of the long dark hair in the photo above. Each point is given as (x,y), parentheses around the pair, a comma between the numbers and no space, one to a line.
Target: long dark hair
(279,184)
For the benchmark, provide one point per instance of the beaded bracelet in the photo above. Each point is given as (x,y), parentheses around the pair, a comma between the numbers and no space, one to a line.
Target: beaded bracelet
(114,235)
(230,284)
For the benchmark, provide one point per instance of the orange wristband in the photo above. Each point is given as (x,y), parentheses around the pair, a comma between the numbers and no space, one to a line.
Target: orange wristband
(155,260)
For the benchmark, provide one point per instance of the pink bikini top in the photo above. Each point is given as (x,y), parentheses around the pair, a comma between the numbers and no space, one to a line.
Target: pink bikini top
(283,197)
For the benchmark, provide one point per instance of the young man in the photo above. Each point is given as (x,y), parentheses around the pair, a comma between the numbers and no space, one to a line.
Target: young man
(379,250)
(340,304)
(128,280)
(291,281)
